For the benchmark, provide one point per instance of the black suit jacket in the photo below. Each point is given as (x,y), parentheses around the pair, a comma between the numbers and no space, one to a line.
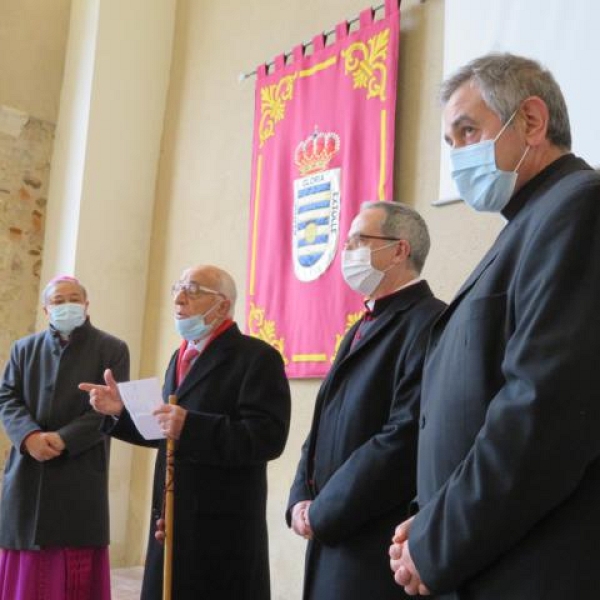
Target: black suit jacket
(358,463)
(238,403)
(509,469)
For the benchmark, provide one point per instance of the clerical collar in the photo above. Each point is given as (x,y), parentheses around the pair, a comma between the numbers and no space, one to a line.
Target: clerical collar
(371,302)
(519,200)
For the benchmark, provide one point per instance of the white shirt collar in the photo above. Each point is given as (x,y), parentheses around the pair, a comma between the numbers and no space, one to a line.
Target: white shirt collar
(370,304)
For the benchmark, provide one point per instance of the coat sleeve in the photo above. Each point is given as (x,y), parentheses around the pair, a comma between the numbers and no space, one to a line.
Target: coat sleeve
(382,470)
(299,490)
(125,430)
(83,432)
(16,417)
(541,428)
(259,431)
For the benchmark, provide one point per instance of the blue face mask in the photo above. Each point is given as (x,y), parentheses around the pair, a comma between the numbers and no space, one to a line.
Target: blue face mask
(480,183)
(66,317)
(195,328)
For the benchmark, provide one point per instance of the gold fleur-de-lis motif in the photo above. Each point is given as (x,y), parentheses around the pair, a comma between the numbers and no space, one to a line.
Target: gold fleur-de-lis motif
(273,99)
(351,319)
(366,63)
(263,329)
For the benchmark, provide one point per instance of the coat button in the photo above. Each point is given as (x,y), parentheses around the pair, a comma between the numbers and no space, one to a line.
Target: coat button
(422,421)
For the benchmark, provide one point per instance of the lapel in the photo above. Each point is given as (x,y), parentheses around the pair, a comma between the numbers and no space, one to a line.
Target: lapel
(346,345)
(218,351)
(347,354)
(473,278)
(170,377)
(402,301)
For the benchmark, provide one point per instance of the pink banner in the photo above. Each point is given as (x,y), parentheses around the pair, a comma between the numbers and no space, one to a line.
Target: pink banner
(323,143)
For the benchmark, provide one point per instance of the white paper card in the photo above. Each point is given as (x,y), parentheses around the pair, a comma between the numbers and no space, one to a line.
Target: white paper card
(141,398)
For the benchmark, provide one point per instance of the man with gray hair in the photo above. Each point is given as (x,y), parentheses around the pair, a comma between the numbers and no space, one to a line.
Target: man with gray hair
(54,529)
(508,475)
(232,416)
(356,475)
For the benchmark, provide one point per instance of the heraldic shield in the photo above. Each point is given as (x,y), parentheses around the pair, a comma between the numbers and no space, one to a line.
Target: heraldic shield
(316,216)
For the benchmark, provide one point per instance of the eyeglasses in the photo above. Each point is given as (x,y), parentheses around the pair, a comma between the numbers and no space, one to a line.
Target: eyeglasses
(356,238)
(192,289)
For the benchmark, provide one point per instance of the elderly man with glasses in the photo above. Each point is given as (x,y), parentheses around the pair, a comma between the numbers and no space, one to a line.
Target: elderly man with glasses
(232,416)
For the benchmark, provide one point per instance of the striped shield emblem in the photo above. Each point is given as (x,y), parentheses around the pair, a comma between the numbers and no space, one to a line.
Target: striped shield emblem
(315,223)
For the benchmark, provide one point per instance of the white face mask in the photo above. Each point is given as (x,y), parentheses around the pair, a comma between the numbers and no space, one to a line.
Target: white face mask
(480,183)
(66,317)
(358,271)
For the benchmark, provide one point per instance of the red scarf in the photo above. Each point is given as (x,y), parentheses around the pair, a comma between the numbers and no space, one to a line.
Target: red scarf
(224,326)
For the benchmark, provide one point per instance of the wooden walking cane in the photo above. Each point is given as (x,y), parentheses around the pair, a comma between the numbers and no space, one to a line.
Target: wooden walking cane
(169,515)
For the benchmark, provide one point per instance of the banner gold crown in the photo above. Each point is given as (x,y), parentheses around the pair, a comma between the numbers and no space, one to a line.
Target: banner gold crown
(316,151)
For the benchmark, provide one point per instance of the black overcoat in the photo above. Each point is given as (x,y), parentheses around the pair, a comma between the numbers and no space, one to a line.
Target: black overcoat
(63,501)
(361,451)
(509,467)
(238,400)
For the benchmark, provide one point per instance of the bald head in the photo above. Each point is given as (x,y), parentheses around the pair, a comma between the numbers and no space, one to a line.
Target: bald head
(215,279)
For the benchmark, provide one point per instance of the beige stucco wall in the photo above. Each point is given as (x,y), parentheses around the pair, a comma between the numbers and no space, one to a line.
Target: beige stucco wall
(33,37)
(203,190)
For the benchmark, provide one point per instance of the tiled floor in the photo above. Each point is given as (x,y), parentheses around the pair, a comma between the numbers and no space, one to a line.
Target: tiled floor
(126,583)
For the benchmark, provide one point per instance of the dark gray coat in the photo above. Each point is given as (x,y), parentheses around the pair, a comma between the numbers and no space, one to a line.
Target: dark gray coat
(63,501)
(361,451)
(509,450)
(238,402)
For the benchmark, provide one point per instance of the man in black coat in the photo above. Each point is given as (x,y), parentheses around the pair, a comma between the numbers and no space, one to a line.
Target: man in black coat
(509,448)
(356,475)
(232,416)
(54,521)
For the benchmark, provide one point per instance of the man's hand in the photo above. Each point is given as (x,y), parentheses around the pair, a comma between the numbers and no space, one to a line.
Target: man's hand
(105,399)
(55,441)
(43,446)
(401,563)
(300,520)
(171,418)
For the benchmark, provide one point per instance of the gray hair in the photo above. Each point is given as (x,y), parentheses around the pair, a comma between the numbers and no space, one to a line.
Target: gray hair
(226,285)
(61,279)
(505,81)
(401,221)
